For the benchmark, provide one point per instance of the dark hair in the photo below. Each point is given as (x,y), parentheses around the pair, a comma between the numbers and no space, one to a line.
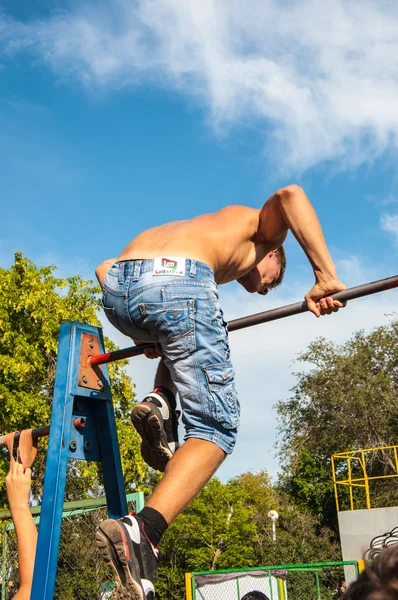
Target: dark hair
(379,580)
(282,261)
(254,595)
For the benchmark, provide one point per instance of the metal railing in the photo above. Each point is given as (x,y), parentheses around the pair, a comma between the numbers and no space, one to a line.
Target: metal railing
(317,581)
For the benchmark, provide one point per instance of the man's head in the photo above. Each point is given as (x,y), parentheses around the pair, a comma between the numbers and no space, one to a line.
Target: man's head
(254,595)
(267,274)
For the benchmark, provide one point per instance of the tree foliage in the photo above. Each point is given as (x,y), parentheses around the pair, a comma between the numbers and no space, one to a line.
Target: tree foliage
(227,527)
(348,400)
(33,304)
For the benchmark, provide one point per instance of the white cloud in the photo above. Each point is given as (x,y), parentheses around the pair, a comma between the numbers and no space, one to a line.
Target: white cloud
(263,358)
(390,198)
(390,224)
(319,83)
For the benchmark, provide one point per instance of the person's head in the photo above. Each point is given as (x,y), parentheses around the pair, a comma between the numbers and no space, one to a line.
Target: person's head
(267,274)
(254,595)
(379,581)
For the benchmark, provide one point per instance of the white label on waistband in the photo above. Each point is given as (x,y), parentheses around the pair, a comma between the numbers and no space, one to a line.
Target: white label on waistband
(169,265)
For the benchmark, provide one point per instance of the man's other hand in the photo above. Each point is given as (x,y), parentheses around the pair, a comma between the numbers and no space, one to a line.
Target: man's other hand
(155,352)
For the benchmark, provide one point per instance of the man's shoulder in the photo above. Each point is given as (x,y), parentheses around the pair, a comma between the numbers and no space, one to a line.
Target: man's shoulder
(235,209)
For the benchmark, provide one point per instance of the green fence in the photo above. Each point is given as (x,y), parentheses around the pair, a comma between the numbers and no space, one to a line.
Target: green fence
(316,581)
(81,573)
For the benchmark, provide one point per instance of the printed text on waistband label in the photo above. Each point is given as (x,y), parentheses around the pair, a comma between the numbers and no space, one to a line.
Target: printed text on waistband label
(169,265)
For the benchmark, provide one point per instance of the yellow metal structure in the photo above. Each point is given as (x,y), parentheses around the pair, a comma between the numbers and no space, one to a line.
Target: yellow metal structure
(358,459)
(361,565)
(188,586)
(281,589)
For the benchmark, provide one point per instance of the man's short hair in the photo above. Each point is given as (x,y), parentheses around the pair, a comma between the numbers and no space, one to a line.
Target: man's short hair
(254,595)
(379,580)
(282,261)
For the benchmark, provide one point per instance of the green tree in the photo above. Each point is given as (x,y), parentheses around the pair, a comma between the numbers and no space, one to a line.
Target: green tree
(300,537)
(33,304)
(347,401)
(227,527)
(215,532)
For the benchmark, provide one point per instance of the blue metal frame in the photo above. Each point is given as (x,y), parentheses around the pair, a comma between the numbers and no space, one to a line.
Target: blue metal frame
(97,441)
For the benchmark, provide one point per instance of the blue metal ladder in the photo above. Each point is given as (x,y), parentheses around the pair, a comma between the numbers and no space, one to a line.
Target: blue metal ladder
(80,392)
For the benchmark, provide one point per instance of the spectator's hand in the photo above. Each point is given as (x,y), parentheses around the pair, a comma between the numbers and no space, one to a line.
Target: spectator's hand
(318,298)
(18,484)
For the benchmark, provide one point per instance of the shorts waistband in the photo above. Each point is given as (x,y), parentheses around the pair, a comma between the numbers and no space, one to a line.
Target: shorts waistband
(140,266)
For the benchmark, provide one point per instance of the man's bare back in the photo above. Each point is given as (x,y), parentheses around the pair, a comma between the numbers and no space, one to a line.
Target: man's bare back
(229,241)
(237,242)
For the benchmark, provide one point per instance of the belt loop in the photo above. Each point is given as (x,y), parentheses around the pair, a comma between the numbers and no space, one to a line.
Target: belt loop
(120,277)
(192,271)
(137,270)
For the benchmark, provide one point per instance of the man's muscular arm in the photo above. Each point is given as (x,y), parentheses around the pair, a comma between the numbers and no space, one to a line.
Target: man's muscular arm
(289,208)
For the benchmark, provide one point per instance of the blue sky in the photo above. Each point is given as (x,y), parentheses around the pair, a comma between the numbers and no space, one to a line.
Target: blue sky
(117,116)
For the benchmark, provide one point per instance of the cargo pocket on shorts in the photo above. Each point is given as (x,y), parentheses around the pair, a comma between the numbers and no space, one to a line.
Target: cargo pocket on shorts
(224,403)
(172,323)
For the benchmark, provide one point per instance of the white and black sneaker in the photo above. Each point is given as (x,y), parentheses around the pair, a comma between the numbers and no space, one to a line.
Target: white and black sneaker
(156,420)
(125,547)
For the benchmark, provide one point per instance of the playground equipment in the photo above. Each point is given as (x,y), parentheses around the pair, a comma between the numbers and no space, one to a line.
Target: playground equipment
(350,471)
(83,423)
(364,529)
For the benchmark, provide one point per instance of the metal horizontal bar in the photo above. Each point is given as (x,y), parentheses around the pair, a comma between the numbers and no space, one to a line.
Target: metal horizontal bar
(348,457)
(38,432)
(382,477)
(290,567)
(289,310)
(345,455)
(350,483)
(300,307)
(108,357)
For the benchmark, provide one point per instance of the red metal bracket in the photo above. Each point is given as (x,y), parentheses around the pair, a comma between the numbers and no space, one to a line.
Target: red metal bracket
(90,376)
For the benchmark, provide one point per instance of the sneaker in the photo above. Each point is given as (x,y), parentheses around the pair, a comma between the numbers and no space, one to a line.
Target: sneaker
(156,420)
(125,547)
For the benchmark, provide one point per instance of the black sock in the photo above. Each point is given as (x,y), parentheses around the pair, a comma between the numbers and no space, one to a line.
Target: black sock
(168,393)
(155,524)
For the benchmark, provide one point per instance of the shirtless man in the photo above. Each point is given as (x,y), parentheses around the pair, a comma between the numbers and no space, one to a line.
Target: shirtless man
(163,288)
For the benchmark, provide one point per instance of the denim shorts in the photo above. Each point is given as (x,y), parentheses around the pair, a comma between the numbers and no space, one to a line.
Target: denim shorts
(183,314)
